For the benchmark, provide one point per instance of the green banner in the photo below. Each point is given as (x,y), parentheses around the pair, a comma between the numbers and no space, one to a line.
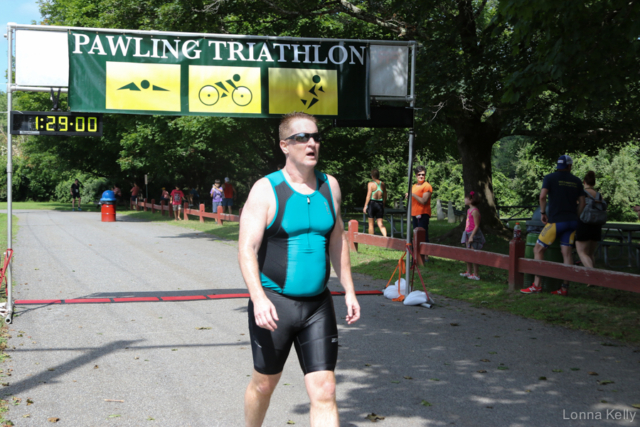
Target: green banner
(145,74)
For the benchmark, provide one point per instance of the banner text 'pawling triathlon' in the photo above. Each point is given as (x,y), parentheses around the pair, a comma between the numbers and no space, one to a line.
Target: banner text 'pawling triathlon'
(118,73)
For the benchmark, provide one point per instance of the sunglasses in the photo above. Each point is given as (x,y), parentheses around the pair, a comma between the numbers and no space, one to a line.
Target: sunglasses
(304,137)
(420,174)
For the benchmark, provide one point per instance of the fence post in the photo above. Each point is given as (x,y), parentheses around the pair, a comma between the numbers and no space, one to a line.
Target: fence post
(153,208)
(439,210)
(201,212)
(351,235)
(162,207)
(451,216)
(137,205)
(516,251)
(419,236)
(185,206)
(219,211)
(144,204)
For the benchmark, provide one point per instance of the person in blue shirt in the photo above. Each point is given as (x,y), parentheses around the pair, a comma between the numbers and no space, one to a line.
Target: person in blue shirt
(566,202)
(290,235)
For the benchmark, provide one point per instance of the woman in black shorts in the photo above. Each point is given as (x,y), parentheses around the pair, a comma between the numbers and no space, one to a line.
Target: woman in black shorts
(588,235)
(376,199)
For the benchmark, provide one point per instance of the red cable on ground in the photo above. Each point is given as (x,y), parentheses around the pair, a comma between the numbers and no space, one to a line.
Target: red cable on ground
(154,299)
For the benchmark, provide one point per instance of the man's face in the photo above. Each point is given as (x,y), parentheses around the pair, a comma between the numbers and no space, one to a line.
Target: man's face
(420,176)
(305,153)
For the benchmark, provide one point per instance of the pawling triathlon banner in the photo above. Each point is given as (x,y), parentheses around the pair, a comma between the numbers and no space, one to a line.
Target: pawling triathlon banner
(118,73)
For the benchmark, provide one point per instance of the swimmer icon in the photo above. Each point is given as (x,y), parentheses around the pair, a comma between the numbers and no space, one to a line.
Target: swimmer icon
(209,95)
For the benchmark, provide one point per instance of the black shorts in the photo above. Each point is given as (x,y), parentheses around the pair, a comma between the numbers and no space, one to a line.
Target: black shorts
(375,209)
(75,196)
(309,323)
(588,232)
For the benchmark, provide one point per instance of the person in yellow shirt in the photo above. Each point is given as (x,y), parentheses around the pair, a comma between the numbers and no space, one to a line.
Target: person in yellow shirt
(421,201)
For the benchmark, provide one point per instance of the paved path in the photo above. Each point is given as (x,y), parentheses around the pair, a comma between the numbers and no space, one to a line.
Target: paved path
(67,359)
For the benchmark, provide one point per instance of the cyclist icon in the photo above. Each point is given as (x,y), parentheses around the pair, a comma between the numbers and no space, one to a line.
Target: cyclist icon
(241,95)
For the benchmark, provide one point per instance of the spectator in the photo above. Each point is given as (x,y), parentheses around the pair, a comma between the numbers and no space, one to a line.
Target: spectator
(135,191)
(472,236)
(376,199)
(75,193)
(177,196)
(164,195)
(588,235)
(421,202)
(217,195)
(229,194)
(118,193)
(194,197)
(566,202)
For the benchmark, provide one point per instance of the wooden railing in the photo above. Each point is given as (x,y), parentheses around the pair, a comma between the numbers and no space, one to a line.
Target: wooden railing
(515,263)
(219,216)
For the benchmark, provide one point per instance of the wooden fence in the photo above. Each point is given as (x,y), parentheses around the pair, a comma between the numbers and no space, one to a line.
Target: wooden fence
(219,216)
(515,263)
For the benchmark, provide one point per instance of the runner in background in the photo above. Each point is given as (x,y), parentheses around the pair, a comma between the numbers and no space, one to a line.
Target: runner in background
(75,192)
(374,204)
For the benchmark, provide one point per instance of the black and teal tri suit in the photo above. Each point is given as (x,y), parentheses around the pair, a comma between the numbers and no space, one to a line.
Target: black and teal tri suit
(293,260)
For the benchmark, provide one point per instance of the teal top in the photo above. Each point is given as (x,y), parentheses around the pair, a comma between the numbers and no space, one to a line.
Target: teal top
(294,255)
(378,188)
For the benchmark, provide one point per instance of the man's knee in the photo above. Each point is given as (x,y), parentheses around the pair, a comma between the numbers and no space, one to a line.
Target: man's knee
(538,249)
(321,387)
(264,384)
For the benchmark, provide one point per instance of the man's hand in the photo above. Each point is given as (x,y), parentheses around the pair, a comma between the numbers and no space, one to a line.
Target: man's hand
(353,308)
(543,218)
(265,314)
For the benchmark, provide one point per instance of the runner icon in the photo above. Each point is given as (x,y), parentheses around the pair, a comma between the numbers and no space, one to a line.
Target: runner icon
(312,91)
(241,95)
(145,85)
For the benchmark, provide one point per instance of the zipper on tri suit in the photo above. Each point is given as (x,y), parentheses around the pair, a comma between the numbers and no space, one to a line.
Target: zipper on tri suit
(309,217)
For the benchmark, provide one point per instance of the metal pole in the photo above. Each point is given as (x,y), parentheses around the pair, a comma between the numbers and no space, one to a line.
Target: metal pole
(9,315)
(410,163)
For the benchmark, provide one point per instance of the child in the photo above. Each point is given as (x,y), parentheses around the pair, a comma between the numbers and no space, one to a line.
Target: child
(472,236)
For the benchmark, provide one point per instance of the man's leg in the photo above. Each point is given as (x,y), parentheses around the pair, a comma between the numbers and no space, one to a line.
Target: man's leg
(538,253)
(79,202)
(321,388)
(73,203)
(258,396)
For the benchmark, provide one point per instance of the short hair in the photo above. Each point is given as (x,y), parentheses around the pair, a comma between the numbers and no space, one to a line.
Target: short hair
(420,169)
(590,178)
(286,120)
(375,174)
(474,197)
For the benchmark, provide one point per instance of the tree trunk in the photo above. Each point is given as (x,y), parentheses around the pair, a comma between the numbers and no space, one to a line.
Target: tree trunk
(475,141)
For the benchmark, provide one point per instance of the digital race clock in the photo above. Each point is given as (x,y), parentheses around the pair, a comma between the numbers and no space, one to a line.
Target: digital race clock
(55,123)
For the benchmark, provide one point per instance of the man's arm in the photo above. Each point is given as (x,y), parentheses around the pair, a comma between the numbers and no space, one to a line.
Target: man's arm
(543,204)
(258,209)
(339,255)
(424,198)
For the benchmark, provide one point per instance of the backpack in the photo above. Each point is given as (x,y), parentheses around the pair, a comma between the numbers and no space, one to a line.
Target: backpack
(595,211)
(177,199)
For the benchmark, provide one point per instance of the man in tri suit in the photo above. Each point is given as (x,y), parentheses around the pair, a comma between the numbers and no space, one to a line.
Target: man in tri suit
(290,229)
